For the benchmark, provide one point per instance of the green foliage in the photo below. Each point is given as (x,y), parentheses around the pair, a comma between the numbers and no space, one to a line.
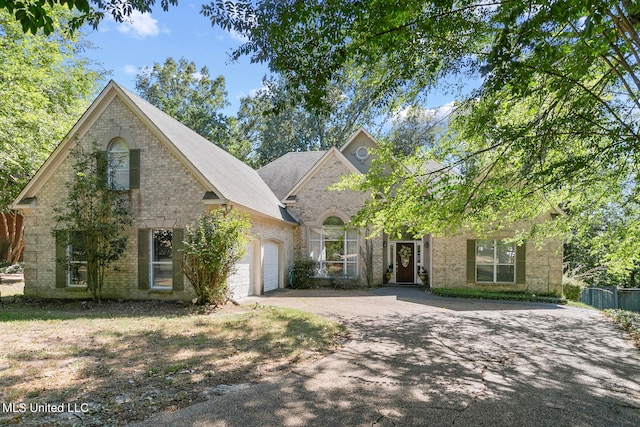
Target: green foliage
(554,121)
(572,288)
(276,124)
(396,49)
(628,320)
(93,218)
(212,247)
(190,96)
(303,270)
(45,86)
(509,296)
(34,16)
(12,268)
(417,128)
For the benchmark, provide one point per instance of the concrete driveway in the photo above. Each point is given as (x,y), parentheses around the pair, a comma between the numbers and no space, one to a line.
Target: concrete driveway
(419,360)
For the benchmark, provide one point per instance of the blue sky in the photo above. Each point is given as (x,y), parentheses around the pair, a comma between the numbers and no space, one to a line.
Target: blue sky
(125,48)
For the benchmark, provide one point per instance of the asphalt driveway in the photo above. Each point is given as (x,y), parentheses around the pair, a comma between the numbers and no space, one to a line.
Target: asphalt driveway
(419,360)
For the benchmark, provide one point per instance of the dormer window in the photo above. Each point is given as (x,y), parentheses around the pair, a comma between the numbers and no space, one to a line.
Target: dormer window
(118,165)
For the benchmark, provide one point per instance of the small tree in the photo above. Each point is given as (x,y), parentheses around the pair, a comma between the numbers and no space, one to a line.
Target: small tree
(366,254)
(212,247)
(94,218)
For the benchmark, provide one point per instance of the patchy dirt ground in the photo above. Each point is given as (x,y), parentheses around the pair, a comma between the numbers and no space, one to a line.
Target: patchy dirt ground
(66,363)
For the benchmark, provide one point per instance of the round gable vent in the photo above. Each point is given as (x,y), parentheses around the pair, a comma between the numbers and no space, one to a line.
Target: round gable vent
(362,153)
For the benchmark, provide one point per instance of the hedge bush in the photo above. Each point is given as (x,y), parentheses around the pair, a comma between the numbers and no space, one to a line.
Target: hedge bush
(303,271)
(572,288)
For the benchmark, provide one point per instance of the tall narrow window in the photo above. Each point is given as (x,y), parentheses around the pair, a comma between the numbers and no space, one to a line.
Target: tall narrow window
(335,249)
(495,261)
(161,259)
(118,165)
(77,267)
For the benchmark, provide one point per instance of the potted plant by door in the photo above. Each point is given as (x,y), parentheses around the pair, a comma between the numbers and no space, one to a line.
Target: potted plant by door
(424,277)
(388,273)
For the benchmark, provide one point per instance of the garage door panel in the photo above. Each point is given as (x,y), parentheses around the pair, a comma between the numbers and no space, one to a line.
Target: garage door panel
(240,280)
(271,263)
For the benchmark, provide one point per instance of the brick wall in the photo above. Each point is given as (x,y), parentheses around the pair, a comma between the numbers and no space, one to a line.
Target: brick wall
(314,203)
(169,197)
(543,265)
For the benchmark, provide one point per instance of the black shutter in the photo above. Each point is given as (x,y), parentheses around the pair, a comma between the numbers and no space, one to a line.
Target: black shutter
(61,260)
(177,246)
(134,168)
(101,166)
(143,258)
(471,261)
(521,263)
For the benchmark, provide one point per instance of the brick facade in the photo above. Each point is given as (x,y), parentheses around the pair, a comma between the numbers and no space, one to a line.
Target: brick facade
(543,266)
(170,196)
(315,202)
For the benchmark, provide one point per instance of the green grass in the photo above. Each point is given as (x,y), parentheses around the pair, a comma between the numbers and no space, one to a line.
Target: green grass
(509,296)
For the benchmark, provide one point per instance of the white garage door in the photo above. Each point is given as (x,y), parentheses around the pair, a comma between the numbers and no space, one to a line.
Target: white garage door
(270,269)
(240,280)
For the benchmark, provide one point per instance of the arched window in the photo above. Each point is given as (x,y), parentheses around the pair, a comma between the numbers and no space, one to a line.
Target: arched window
(335,248)
(118,165)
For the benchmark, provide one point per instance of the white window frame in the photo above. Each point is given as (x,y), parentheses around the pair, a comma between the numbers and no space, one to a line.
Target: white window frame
(72,262)
(119,170)
(348,259)
(495,264)
(153,263)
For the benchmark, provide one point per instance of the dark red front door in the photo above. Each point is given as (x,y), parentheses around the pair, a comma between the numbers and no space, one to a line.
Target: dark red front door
(405,262)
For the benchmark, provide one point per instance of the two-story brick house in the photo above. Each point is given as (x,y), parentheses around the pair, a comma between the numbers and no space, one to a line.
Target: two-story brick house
(173,175)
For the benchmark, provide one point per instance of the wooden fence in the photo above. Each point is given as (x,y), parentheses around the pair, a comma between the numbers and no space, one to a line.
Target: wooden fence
(612,297)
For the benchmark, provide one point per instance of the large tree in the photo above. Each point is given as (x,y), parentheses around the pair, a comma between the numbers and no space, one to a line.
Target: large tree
(194,98)
(554,120)
(188,94)
(276,125)
(45,84)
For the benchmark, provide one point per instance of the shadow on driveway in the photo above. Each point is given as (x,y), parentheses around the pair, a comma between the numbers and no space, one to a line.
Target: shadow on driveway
(423,360)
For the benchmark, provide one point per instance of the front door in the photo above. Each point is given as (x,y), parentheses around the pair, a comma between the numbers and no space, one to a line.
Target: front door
(405,262)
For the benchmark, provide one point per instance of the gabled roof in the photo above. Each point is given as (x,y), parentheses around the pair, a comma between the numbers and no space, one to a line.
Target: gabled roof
(289,170)
(219,171)
(285,172)
(333,152)
(360,132)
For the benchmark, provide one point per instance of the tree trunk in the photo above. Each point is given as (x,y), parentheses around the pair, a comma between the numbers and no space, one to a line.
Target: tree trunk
(14,235)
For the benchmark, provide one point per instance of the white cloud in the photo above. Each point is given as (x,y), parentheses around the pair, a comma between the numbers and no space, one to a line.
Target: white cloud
(130,69)
(443,111)
(429,115)
(239,37)
(253,92)
(139,25)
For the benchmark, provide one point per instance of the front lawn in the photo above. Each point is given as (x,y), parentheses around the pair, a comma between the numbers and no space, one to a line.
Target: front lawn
(118,362)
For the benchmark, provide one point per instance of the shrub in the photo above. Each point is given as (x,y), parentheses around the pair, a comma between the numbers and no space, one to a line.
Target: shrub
(572,288)
(303,270)
(14,268)
(212,247)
